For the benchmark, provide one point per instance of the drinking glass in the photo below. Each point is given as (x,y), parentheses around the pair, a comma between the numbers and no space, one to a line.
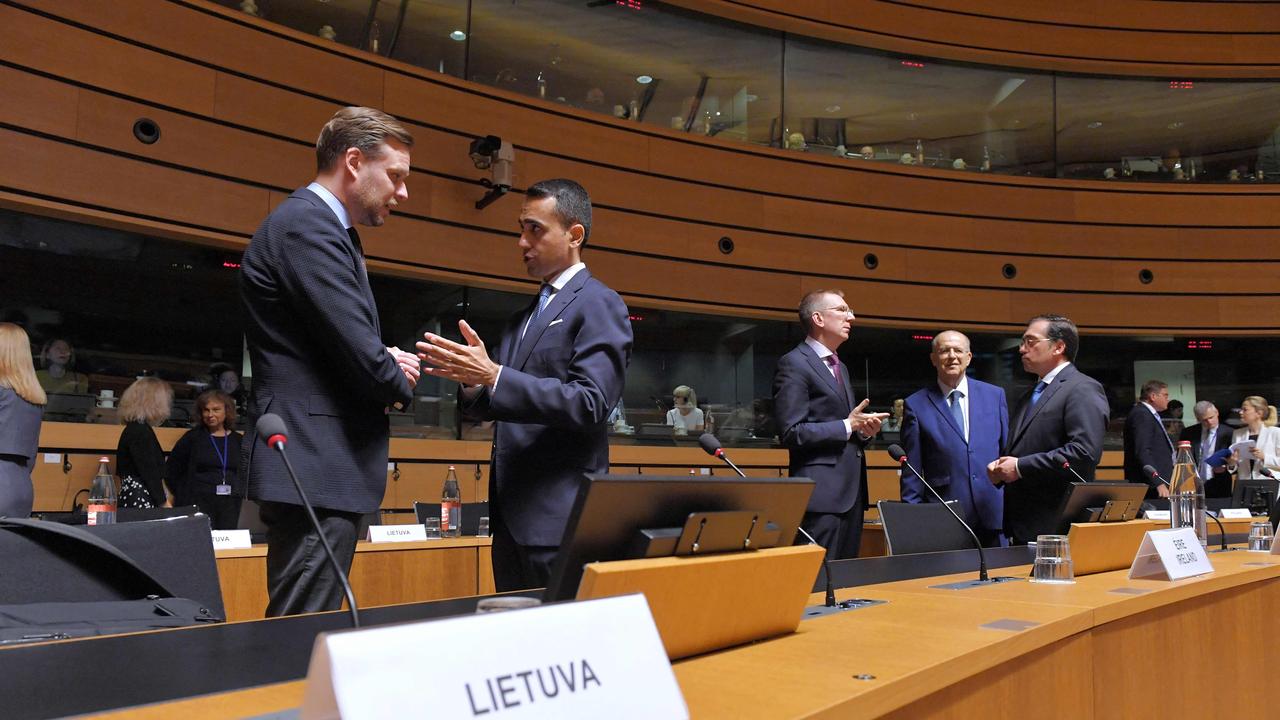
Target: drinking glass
(433,528)
(1260,536)
(1053,561)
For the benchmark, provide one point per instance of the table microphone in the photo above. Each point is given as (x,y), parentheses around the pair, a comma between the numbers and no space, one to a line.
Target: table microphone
(272,431)
(899,455)
(1066,465)
(711,444)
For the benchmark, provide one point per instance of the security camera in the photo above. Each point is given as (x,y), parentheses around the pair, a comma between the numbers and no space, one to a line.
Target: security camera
(498,156)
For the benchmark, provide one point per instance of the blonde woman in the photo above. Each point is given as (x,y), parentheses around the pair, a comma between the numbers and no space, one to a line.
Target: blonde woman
(1266,450)
(686,417)
(21,405)
(144,405)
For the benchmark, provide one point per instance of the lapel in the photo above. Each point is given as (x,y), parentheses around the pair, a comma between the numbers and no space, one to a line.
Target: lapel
(940,404)
(823,370)
(1027,412)
(357,256)
(562,300)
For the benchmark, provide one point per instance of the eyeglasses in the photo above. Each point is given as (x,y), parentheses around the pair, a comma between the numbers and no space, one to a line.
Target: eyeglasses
(1030,340)
(839,310)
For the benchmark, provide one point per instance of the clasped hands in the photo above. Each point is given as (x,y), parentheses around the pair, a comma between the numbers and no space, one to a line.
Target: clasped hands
(408,364)
(868,424)
(1003,470)
(467,364)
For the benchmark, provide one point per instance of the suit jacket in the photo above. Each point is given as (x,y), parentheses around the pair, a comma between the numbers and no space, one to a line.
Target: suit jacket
(1219,484)
(1146,443)
(552,401)
(1068,421)
(1269,442)
(957,469)
(811,408)
(318,360)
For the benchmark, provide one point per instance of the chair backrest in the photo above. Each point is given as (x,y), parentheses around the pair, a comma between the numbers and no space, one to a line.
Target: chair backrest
(922,527)
(471,514)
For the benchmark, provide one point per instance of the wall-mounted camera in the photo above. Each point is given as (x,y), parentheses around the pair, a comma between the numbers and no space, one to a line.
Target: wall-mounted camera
(496,155)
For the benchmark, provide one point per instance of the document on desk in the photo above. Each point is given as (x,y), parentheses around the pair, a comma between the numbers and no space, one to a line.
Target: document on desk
(587,659)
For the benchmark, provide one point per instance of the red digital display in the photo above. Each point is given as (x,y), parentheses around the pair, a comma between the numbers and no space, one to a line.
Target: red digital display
(1181,84)
(1199,344)
(912,64)
(630,4)
(922,338)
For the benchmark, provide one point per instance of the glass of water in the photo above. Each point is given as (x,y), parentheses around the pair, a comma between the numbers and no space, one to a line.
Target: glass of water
(483,528)
(433,528)
(1260,536)
(1053,561)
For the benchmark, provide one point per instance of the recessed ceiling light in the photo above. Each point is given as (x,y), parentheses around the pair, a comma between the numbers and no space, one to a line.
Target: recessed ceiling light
(1095,125)
(457,35)
(752,98)
(644,79)
(833,108)
(1175,125)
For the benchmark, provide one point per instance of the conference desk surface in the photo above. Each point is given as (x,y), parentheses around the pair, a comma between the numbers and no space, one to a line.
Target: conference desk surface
(1104,647)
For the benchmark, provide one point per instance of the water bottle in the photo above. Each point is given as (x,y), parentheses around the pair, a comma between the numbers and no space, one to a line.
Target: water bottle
(102,495)
(1186,494)
(450,506)
(919,152)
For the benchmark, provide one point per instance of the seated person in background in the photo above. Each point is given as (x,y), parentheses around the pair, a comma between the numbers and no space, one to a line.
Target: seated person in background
(58,374)
(894,422)
(225,378)
(204,467)
(685,416)
(867,153)
(145,404)
(1264,457)
(795,141)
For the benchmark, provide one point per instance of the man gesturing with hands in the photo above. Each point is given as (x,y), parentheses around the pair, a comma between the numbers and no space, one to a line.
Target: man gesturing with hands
(825,433)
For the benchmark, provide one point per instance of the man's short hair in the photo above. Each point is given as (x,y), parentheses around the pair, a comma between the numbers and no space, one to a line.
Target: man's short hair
(933,345)
(573,204)
(1152,387)
(1061,328)
(1202,408)
(357,127)
(809,306)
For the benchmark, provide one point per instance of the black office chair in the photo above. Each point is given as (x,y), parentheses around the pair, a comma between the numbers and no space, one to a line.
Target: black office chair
(921,528)
(471,514)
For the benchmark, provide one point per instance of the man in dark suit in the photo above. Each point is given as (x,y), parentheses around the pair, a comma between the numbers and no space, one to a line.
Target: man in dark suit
(824,432)
(1207,436)
(1062,418)
(560,370)
(318,358)
(1146,442)
(951,430)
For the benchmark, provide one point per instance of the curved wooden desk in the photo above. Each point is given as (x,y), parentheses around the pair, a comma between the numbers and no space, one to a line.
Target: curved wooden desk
(1105,647)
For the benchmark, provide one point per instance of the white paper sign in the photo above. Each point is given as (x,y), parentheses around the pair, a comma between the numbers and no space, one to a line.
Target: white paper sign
(1156,515)
(396,533)
(231,540)
(1235,514)
(592,659)
(52,459)
(1170,555)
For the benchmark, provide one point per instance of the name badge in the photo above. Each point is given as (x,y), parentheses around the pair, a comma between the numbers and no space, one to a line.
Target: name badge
(396,533)
(231,540)
(1170,555)
(591,659)
(1235,514)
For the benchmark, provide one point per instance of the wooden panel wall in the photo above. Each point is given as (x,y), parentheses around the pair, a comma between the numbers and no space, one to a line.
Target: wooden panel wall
(1144,37)
(239,102)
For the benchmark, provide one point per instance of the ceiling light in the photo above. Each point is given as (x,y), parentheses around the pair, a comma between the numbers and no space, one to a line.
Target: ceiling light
(833,108)
(1175,125)
(457,35)
(644,79)
(1095,125)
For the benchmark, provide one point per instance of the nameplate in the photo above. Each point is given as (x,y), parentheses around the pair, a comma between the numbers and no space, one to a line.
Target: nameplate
(396,533)
(1235,514)
(232,540)
(1156,515)
(589,659)
(1170,555)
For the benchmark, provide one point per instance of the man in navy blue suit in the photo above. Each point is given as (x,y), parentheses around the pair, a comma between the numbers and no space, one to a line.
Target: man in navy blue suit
(1145,440)
(825,433)
(317,355)
(951,430)
(559,372)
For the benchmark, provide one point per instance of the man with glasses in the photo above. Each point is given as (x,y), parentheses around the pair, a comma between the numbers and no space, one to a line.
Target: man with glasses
(823,429)
(1208,436)
(1061,419)
(1146,442)
(952,430)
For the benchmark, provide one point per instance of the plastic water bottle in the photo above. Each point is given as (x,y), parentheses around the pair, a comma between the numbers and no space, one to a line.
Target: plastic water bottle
(1186,494)
(102,495)
(450,506)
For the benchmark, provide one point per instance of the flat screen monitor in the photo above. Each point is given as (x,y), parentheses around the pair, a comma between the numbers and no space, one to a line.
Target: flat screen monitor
(611,510)
(1259,493)
(1087,502)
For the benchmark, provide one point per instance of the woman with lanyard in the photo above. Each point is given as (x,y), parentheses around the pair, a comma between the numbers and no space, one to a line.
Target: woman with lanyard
(204,467)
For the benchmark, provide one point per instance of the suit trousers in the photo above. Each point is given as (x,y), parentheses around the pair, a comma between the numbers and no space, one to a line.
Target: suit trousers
(839,533)
(520,567)
(299,576)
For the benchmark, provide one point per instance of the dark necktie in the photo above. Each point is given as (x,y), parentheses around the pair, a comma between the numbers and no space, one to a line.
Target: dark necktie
(544,297)
(1035,394)
(834,362)
(355,238)
(957,413)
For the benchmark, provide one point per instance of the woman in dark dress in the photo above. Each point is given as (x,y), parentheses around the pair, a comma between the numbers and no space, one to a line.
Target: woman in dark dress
(145,404)
(204,467)
(21,405)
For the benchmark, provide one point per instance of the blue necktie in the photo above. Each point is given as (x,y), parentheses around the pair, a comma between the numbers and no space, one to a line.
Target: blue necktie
(544,297)
(957,412)
(1035,394)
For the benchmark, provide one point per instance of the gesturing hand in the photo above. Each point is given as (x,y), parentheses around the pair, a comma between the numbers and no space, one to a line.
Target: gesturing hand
(468,364)
(866,423)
